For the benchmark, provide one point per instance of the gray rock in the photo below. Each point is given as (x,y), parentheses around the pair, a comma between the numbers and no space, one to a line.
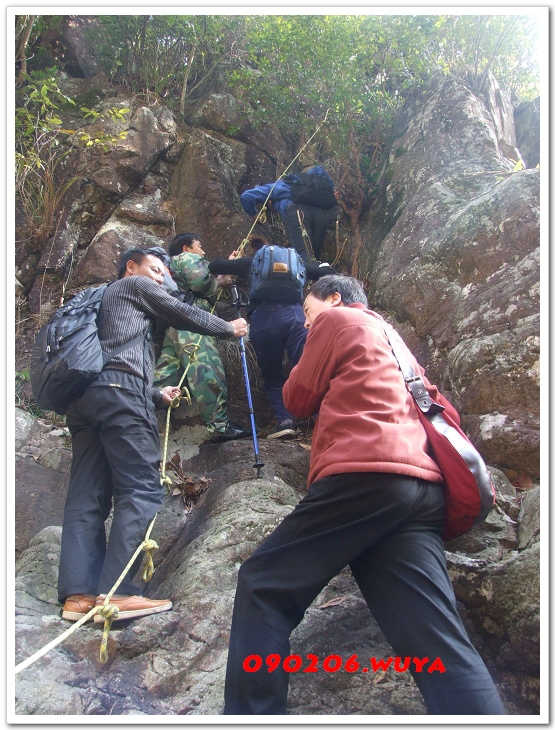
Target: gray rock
(459,260)
(452,248)
(24,424)
(40,494)
(529,519)
(527,127)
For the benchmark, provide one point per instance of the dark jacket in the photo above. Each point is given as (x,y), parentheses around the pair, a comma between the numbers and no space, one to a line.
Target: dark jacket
(279,192)
(242,268)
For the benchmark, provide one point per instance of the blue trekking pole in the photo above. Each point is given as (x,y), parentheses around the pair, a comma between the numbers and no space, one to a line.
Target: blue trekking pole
(237,301)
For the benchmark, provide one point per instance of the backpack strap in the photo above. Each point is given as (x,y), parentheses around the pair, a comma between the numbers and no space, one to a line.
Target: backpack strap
(135,341)
(415,384)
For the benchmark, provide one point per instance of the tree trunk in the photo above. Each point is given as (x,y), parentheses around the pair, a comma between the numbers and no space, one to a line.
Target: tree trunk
(21,55)
(186,80)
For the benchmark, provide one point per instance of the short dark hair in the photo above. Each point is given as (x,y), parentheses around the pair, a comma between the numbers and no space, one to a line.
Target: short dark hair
(257,242)
(182,239)
(350,289)
(133,254)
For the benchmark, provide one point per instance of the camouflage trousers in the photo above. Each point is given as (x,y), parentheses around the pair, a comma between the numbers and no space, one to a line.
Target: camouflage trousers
(205,373)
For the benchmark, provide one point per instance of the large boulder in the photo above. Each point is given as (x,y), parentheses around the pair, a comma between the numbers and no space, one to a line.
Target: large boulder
(102,181)
(527,127)
(42,463)
(232,117)
(458,260)
(205,188)
(174,663)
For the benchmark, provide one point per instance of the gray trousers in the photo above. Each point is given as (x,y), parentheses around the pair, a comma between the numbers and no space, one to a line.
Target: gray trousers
(387,528)
(116,455)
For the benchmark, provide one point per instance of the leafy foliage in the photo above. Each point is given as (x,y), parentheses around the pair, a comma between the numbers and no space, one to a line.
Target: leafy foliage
(354,71)
(505,45)
(165,56)
(42,147)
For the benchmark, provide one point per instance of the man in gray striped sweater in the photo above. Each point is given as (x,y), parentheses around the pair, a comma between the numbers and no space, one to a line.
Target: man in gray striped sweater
(115,442)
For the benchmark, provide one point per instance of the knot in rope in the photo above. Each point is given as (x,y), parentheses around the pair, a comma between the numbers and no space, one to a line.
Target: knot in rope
(193,351)
(186,395)
(149,547)
(176,401)
(109,612)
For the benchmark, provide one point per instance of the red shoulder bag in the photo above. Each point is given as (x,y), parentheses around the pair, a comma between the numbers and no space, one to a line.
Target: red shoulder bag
(469,492)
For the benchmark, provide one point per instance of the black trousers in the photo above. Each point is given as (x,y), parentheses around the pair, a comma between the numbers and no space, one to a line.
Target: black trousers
(314,220)
(116,454)
(387,528)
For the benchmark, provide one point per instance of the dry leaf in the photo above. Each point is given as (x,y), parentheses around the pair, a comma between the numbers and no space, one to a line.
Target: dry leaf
(333,602)
(189,487)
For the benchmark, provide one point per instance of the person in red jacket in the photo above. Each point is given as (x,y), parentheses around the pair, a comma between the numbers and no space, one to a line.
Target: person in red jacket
(375,503)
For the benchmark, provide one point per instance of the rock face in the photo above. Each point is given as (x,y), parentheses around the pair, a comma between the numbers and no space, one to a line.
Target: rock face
(108,212)
(42,464)
(452,254)
(458,261)
(174,663)
(527,127)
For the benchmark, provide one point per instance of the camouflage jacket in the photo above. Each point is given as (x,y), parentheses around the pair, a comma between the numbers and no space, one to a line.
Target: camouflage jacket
(190,273)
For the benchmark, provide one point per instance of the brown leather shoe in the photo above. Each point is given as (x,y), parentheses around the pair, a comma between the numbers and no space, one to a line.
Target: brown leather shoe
(77,605)
(132,606)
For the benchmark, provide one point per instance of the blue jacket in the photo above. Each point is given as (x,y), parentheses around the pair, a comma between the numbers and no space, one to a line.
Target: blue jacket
(280,196)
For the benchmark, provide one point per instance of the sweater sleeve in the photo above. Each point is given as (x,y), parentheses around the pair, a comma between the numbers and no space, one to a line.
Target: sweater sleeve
(236,267)
(158,304)
(309,380)
(316,271)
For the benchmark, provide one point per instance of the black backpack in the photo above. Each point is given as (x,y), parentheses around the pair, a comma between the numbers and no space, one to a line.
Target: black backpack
(312,189)
(67,355)
(278,274)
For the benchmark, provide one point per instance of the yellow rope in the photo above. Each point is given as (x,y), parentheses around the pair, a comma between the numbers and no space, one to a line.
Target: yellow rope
(107,610)
(304,233)
(148,570)
(262,212)
(186,395)
(108,613)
